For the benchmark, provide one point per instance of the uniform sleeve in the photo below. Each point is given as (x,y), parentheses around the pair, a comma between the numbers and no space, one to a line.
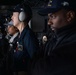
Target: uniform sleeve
(31,43)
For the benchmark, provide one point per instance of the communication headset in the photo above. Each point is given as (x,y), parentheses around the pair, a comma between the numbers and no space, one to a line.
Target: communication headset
(22,15)
(25,12)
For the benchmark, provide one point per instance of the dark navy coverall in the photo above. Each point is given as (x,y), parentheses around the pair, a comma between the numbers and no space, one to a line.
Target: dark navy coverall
(27,45)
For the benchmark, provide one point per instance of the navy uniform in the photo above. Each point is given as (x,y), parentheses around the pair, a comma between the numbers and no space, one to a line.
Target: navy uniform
(13,45)
(27,45)
(60,50)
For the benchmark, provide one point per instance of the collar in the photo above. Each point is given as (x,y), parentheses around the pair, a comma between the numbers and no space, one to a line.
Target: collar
(24,32)
(66,29)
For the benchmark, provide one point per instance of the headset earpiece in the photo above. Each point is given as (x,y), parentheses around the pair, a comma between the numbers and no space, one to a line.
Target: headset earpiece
(22,16)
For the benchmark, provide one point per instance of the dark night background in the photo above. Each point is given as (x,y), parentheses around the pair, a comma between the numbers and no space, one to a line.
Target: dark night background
(9,2)
(14,2)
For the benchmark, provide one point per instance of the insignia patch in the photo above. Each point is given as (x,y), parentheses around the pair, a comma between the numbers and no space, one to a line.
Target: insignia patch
(65,4)
(50,2)
(20,47)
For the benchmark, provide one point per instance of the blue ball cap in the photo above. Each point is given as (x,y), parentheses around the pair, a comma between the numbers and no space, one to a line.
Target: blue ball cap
(55,5)
(18,8)
(24,7)
(21,7)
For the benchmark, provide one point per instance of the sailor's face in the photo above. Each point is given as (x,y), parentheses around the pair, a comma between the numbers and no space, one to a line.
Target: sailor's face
(15,18)
(57,20)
